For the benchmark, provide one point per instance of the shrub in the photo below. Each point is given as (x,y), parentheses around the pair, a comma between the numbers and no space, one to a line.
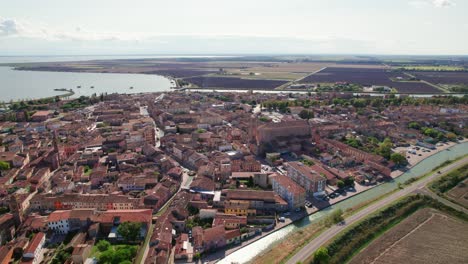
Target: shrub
(103,245)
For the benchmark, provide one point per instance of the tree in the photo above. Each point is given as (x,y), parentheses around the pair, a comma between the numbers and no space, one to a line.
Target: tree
(4,165)
(106,256)
(340,184)
(349,181)
(103,245)
(334,218)
(321,256)
(398,159)
(337,216)
(451,136)
(306,114)
(385,148)
(121,254)
(414,125)
(130,231)
(250,183)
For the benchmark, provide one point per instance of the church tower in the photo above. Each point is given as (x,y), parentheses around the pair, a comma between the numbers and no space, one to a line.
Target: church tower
(16,210)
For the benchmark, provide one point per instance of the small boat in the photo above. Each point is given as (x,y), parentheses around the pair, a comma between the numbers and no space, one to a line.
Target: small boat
(79,86)
(92,87)
(131,87)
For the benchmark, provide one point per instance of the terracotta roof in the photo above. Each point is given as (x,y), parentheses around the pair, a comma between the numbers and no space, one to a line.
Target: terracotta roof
(288,184)
(35,243)
(306,171)
(230,234)
(268,196)
(214,233)
(140,216)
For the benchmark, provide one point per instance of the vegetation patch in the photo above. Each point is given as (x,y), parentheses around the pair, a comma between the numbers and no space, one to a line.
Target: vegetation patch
(413,238)
(343,247)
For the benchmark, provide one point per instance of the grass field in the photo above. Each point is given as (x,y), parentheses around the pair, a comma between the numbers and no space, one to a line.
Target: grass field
(459,193)
(427,236)
(280,252)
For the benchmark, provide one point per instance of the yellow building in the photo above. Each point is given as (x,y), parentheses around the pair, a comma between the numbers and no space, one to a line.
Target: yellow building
(239,208)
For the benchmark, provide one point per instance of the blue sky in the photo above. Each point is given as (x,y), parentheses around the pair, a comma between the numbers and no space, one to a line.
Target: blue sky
(61,27)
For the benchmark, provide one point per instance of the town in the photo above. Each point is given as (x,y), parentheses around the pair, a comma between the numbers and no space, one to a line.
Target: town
(183,176)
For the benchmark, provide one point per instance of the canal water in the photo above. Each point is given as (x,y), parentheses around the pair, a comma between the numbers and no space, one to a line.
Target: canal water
(249,252)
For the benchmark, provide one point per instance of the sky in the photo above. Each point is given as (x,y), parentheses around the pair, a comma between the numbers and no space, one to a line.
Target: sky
(122,27)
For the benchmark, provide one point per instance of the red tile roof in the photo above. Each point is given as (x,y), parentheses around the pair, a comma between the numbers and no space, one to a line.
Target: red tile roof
(35,243)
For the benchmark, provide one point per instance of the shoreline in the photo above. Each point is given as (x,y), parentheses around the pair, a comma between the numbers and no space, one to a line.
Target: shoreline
(67,94)
(424,155)
(232,250)
(224,89)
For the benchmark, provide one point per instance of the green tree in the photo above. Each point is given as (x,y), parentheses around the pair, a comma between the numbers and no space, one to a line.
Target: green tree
(451,136)
(106,256)
(4,165)
(321,256)
(414,125)
(103,245)
(349,181)
(385,148)
(306,114)
(337,216)
(130,231)
(398,159)
(340,184)
(123,254)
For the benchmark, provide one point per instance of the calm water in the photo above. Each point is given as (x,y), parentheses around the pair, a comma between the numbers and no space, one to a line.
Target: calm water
(247,253)
(22,85)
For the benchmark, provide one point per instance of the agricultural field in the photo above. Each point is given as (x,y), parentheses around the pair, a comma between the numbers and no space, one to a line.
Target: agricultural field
(445,68)
(270,72)
(234,83)
(459,193)
(443,77)
(427,236)
(369,77)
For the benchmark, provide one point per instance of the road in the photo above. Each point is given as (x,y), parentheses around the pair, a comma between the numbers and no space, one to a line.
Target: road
(282,87)
(327,235)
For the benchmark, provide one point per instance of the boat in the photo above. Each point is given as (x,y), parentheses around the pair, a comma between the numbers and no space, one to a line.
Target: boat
(79,86)
(92,87)
(131,87)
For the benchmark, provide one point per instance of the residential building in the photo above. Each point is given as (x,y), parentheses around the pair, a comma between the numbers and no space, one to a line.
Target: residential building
(310,180)
(289,190)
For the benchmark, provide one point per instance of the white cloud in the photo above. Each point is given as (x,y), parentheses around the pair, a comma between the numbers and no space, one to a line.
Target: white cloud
(442,3)
(433,3)
(8,27)
(24,29)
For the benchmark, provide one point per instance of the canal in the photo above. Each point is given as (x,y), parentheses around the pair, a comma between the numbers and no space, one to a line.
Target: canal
(249,252)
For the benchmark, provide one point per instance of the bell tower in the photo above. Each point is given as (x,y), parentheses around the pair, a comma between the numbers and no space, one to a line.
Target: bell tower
(16,210)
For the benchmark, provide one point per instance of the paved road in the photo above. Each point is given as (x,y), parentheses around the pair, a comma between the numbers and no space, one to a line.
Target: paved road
(327,235)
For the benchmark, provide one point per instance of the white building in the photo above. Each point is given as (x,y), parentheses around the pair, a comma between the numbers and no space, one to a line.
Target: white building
(34,249)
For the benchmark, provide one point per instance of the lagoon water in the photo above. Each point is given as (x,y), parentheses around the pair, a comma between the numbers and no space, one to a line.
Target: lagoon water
(23,85)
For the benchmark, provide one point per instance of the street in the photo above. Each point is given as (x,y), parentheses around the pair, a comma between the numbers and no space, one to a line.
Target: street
(330,233)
